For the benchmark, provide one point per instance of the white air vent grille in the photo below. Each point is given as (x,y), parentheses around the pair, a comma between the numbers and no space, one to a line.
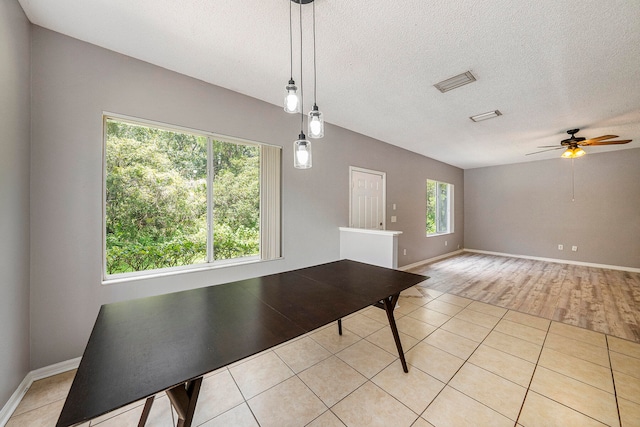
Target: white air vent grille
(485,116)
(455,81)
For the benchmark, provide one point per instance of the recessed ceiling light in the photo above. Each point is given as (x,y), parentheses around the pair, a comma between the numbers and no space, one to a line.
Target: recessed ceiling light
(455,81)
(485,116)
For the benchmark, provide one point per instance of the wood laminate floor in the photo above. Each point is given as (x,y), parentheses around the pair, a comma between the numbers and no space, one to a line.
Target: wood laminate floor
(597,299)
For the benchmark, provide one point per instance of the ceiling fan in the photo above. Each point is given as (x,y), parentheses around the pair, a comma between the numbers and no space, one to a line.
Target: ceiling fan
(573,146)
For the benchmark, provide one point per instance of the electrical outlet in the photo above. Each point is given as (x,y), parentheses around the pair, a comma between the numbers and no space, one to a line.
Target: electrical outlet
(445,243)
(394,206)
(393,218)
(574,248)
(560,247)
(405,251)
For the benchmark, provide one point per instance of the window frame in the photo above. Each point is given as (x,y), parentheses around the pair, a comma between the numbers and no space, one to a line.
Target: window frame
(269,216)
(449,207)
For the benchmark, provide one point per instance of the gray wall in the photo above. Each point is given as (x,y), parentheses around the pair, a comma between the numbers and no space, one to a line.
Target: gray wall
(74,82)
(14,197)
(527,208)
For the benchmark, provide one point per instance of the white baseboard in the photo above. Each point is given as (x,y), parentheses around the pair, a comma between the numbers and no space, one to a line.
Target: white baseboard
(38,374)
(559,261)
(427,261)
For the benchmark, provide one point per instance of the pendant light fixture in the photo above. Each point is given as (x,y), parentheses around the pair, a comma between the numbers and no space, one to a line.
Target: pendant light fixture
(315,120)
(291,101)
(302,152)
(301,147)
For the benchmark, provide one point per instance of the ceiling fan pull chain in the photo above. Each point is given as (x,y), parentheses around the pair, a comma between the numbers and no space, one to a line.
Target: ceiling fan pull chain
(573,183)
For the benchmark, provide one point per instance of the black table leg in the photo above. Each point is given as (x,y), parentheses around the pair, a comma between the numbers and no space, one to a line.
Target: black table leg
(389,305)
(340,326)
(184,398)
(146,411)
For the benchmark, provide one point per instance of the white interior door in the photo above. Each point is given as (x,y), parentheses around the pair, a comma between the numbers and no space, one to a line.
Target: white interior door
(367,207)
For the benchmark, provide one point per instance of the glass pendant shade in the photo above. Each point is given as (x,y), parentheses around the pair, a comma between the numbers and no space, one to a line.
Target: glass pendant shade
(316,123)
(302,153)
(291,101)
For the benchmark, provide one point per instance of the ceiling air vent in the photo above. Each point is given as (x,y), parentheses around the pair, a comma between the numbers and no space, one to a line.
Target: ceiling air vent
(455,81)
(485,116)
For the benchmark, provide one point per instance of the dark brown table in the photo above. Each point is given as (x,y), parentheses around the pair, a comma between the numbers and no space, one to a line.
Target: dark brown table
(142,347)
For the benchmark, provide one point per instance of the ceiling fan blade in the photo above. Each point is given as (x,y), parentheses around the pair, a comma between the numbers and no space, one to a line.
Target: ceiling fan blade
(622,141)
(590,141)
(600,138)
(548,146)
(550,149)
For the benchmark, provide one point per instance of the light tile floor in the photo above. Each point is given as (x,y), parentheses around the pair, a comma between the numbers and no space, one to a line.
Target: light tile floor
(470,364)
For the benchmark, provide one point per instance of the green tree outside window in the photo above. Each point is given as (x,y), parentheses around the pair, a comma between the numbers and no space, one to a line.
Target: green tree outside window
(157,198)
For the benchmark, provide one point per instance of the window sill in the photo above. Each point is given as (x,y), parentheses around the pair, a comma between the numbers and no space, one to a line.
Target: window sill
(132,277)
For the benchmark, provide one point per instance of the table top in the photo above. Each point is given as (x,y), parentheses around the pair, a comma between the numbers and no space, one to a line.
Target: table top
(142,347)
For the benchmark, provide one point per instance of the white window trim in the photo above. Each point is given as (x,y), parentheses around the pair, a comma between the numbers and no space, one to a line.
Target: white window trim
(450,200)
(268,222)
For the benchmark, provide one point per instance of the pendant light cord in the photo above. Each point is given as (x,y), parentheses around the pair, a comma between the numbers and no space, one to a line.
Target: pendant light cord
(301,90)
(315,95)
(290,42)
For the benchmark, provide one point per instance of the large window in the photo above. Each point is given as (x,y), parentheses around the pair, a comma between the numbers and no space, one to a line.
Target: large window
(439,208)
(176,199)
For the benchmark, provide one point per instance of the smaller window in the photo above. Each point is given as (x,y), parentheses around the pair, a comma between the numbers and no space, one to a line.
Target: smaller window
(439,208)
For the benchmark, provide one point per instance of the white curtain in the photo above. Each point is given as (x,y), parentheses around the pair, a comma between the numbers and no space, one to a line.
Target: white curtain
(270,188)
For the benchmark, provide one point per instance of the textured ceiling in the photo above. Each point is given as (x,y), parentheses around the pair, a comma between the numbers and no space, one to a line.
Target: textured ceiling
(547,65)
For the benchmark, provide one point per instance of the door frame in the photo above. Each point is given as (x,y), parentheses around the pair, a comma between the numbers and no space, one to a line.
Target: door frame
(384,192)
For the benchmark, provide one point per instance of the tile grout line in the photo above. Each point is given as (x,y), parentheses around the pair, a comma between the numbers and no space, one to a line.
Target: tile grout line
(367,380)
(422,340)
(34,409)
(370,380)
(535,368)
(613,379)
(581,359)
(548,331)
(447,383)
(337,357)
(246,402)
(467,361)
(575,379)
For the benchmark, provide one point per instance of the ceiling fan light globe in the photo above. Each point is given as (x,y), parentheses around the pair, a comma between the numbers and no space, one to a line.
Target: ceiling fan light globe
(573,152)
